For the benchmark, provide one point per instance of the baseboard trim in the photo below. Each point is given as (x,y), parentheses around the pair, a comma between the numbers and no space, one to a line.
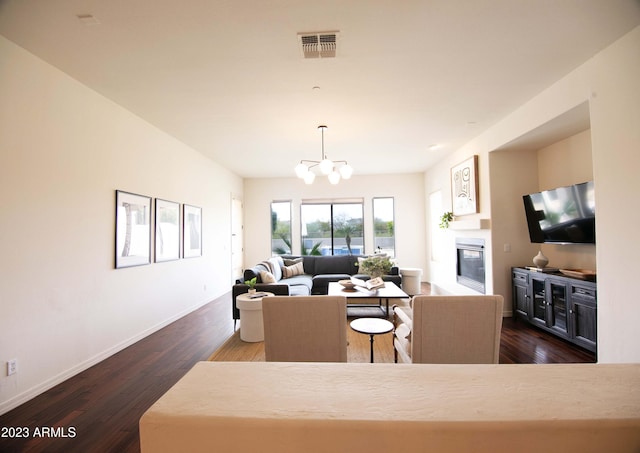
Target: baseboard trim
(36,390)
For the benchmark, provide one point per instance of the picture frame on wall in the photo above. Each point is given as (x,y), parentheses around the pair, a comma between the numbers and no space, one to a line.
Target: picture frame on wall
(464,187)
(192,231)
(133,229)
(167,237)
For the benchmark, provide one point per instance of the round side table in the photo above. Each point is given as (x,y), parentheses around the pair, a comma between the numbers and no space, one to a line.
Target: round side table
(371,327)
(411,280)
(250,306)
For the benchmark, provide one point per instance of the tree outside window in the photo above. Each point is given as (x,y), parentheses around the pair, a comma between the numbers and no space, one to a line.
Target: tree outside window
(281,228)
(384,226)
(332,228)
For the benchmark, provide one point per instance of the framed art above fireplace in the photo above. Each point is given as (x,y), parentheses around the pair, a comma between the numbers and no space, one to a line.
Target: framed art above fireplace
(464,187)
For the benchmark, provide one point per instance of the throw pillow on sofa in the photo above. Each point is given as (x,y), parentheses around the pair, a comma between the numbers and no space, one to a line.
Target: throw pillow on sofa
(291,271)
(291,262)
(267,277)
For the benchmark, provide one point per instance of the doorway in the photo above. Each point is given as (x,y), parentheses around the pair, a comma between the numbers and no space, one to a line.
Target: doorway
(237,239)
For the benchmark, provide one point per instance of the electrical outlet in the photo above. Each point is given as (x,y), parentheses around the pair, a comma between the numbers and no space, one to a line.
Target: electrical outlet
(12,367)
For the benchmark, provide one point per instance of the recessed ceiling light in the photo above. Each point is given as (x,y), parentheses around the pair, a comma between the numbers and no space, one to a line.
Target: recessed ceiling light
(316,88)
(434,147)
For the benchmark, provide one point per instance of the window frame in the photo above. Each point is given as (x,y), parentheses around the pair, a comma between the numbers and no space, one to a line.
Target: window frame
(331,204)
(274,251)
(390,251)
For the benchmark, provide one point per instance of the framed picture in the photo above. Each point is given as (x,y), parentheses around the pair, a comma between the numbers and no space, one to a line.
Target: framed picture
(167,237)
(464,187)
(133,229)
(192,236)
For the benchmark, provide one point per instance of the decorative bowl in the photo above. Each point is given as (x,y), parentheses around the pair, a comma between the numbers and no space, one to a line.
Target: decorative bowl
(348,284)
(583,274)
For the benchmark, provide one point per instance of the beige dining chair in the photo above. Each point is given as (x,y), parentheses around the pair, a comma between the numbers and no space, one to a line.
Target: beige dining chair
(449,329)
(305,328)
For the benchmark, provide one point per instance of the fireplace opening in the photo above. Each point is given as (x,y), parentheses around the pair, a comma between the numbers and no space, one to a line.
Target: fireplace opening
(470,263)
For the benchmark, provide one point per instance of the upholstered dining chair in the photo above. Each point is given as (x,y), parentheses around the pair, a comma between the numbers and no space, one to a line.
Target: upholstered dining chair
(449,329)
(305,328)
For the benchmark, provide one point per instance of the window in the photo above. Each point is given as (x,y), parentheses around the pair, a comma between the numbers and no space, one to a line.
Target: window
(332,228)
(281,227)
(384,226)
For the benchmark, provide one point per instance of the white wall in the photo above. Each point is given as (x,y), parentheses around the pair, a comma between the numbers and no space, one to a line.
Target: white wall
(442,273)
(64,151)
(610,83)
(406,189)
(513,174)
(614,77)
(564,163)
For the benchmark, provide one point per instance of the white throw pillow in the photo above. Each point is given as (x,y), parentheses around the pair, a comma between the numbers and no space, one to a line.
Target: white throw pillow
(267,277)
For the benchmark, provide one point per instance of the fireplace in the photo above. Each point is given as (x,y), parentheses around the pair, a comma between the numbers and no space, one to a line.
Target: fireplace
(470,263)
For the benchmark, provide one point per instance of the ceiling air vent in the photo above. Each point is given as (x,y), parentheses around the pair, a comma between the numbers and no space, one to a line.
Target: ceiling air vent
(318,44)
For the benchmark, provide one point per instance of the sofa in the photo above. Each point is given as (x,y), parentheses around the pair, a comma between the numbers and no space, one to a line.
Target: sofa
(303,275)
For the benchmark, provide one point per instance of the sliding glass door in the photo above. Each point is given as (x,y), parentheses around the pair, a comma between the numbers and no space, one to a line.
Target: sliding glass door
(332,228)
(348,234)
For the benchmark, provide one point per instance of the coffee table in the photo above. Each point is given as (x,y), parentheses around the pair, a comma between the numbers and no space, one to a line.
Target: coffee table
(389,291)
(371,327)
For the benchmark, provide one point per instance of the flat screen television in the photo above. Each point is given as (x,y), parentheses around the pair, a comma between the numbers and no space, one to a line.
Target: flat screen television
(566,215)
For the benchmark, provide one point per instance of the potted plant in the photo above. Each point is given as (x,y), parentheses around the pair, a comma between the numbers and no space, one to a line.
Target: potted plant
(252,284)
(445,219)
(376,266)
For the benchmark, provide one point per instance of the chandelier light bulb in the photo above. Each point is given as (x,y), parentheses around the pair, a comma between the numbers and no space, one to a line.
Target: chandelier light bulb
(346,171)
(334,177)
(309,177)
(326,166)
(301,170)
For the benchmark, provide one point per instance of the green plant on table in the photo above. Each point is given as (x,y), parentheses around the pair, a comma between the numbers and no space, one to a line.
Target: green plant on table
(376,266)
(251,283)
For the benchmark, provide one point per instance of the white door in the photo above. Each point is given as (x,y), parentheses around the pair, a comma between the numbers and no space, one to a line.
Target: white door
(237,239)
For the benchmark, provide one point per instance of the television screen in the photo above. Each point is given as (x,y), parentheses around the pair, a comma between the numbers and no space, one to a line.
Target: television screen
(564,215)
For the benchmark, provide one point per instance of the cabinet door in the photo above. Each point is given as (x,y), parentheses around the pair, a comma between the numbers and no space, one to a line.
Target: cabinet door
(539,302)
(583,316)
(557,306)
(520,295)
(585,324)
(521,301)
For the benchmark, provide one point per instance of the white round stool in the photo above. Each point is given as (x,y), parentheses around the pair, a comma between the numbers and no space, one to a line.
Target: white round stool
(411,280)
(251,325)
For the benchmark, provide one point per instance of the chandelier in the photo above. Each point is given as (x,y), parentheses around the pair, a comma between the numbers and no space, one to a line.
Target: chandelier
(334,170)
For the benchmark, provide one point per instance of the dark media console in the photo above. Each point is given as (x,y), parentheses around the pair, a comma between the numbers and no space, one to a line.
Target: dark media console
(561,305)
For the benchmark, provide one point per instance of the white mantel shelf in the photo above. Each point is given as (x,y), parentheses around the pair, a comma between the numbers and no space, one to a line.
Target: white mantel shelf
(470,224)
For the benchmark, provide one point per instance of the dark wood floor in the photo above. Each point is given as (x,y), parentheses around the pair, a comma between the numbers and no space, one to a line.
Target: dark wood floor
(101,406)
